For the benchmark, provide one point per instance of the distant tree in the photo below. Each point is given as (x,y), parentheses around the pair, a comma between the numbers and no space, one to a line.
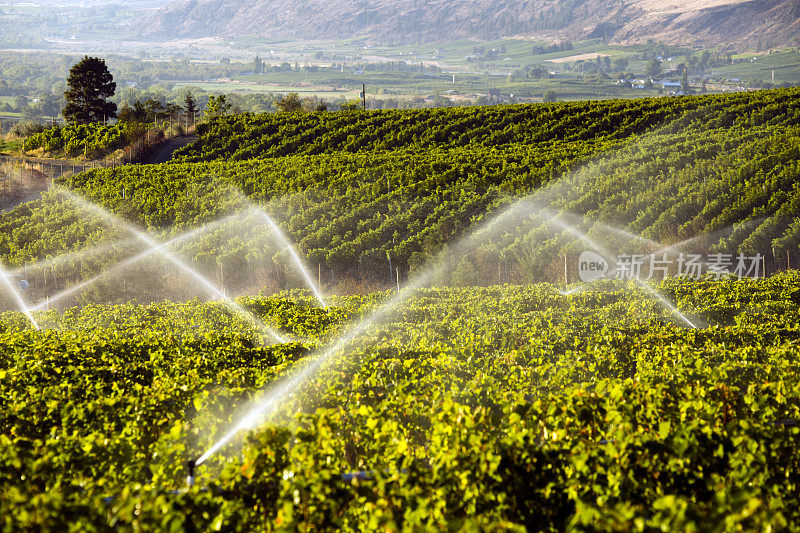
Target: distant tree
(21,102)
(90,84)
(550,96)
(290,103)
(258,65)
(620,64)
(154,109)
(48,106)
(321,107)
(685,81)
(653,68)
(126,114)
(129,114)
(538,72)
(441,101)
(151,110)
(217,107)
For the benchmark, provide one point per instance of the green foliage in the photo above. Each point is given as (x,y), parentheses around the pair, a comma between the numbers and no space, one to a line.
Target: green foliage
(502,408)
(90,85)
(79,139)
(217,107)
(150,111)
(290,103)
(244,137)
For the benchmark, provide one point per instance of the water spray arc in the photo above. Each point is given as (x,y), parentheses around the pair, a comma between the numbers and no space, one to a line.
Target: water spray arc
(151,243)
(18,297)
(275,395)
(666,303)
(74,256)
(298,262)
(650,290)
(278,393)
(119,267)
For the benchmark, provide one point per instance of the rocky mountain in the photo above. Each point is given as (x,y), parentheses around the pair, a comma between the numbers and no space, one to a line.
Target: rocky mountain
(748,23)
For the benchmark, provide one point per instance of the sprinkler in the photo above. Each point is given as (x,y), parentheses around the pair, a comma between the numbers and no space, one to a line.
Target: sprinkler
(190,465)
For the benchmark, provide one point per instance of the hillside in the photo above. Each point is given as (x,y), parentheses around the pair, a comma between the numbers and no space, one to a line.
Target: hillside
(725,23)
(357,188)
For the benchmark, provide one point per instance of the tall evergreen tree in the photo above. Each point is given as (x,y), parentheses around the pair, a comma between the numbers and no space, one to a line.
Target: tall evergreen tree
(90,85)
(191,107)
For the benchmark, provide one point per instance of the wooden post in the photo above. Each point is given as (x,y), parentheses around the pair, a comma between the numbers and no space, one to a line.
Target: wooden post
(499,273)
(319,275)
(763,268)
(397,277)
(566,272)
(788,262)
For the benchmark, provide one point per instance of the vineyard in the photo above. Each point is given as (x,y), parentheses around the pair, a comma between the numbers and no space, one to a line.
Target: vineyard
(407,183)
(367,320)
(90,140)
(494,408)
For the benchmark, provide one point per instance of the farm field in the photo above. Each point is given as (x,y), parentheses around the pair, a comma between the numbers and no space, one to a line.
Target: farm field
(499,407)
(479,67)
(246,86)
(381,320)
(785,65)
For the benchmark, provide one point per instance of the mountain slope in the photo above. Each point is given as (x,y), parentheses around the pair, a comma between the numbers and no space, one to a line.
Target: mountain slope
(714,22)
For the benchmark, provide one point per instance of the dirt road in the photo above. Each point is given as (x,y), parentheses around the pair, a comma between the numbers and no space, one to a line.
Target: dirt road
(163,152)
